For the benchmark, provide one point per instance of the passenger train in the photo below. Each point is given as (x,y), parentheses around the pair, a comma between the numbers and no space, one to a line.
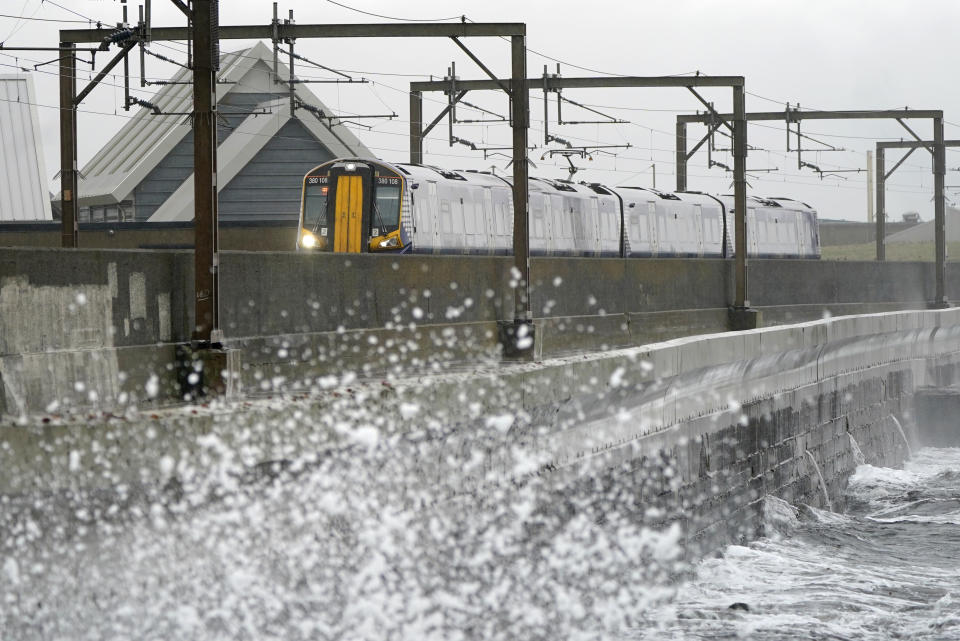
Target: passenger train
(366,205)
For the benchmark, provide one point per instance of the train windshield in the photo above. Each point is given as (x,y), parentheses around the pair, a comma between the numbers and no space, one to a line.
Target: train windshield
(315,203)
(386,215)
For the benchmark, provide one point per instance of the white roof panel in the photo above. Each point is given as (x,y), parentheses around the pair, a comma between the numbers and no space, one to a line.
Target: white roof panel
(24,194)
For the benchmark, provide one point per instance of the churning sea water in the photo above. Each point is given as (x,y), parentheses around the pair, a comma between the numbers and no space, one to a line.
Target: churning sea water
(888,568)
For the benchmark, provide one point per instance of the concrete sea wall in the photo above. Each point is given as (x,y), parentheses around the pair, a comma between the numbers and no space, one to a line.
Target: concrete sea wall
(697,431)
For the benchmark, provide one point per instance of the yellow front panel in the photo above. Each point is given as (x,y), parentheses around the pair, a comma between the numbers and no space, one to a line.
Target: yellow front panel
(348,214)
(356,213)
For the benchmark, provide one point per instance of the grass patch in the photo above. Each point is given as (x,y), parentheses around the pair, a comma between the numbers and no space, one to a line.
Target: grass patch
(922,252)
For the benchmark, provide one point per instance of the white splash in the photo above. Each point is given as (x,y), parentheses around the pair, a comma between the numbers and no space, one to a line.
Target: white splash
(823,485)
(903,434)
(857,452)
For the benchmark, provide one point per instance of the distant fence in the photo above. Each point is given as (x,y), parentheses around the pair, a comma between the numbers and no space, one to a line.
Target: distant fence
(841,232)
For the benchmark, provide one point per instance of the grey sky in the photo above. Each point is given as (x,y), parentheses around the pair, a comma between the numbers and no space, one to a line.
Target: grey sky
(829,55)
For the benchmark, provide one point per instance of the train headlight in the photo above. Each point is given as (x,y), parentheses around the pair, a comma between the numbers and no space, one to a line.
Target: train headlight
(390,242)
(351,166)
(308,240)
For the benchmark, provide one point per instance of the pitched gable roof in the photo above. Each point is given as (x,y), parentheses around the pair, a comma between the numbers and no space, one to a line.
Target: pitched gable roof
(144,141)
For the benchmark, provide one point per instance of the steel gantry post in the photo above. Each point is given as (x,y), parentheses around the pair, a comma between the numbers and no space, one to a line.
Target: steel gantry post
(521,228)
(416,126)
(203,39)
(937,149)
(69,101)
(206,247)
(939,216)
(69,231)
(881,204)
(741,316)
(741,303)
(681,148)
(936,116)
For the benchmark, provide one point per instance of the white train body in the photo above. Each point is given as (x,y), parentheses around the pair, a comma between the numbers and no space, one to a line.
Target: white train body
(467,212)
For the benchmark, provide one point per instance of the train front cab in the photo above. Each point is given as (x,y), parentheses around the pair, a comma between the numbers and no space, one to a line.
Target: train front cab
(351,206)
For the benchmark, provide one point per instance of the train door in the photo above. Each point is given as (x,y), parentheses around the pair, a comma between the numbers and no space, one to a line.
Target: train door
(469,223)
(697,231)
(549,224)
(434,215)
(802,249)
(791,239)
(651,224)
(666,229)
(755,235)
(595,246)
(350,219)
(538,230)
(564,234)
(489,231)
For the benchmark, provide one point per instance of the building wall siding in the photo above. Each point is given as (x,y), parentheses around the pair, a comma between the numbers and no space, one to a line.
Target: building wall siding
(165,178)
(268,188)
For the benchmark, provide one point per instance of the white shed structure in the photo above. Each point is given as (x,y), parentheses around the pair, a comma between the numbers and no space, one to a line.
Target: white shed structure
(24,184)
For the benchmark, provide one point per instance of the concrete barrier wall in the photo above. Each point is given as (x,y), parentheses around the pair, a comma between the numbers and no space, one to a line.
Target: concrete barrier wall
(296,315)
(580,304)
(143,235)
(84,326)
(268,294)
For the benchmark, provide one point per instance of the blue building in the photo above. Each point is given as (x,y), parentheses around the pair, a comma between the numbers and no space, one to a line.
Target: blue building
(145,172)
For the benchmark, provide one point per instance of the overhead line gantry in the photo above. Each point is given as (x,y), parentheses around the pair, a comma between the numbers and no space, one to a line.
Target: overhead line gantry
(741,316)
(883,174)
(936,148)
(205,34)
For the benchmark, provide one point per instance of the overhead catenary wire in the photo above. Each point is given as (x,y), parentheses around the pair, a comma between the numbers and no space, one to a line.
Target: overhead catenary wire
(60,20)
(652,130)
(378,15)
(576,138)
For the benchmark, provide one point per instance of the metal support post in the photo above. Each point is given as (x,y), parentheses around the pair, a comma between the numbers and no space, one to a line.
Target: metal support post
(69,231)
(207,327)
(292,78)
(911,145)
(939,169)
(741,316)
(681,156)
(275,25)
(881,205)
(517,337)
(520,117)
(740,195)
(416,127)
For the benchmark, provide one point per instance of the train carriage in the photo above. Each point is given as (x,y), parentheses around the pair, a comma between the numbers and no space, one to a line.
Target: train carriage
(366,205)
